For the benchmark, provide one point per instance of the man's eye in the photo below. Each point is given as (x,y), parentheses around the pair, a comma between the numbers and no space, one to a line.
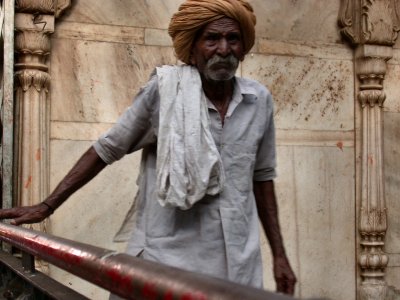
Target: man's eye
(234,38)
(212,37)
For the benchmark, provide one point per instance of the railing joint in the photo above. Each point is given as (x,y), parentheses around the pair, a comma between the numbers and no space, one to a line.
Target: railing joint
(28,262)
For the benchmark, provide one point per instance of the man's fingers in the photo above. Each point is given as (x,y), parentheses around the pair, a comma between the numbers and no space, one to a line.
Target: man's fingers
(22,220)
(290,287)
(285,285)
(28,218)
(280,285)
(8,213)
(21,215)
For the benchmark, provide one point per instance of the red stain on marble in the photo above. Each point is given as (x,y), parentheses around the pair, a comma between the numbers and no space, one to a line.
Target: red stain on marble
(339,145)
(38,155)
(28,182)
(371,159)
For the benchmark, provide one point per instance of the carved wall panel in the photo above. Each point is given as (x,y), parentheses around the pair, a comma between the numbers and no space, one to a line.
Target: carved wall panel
(370,21)
(380,21)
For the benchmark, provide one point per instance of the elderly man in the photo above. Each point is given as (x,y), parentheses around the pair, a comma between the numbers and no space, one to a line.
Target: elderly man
(208,155)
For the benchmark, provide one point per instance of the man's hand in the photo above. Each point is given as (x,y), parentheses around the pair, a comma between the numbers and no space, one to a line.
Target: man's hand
(284,276)
(87,167)
(26,214)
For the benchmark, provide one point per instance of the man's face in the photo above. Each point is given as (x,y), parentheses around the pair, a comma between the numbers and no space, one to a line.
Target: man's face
(218,49)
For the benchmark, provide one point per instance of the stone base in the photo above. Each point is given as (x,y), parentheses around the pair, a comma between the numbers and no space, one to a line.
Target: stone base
(371,291)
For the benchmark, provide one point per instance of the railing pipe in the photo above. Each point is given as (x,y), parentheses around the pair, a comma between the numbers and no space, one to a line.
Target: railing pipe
(125,275)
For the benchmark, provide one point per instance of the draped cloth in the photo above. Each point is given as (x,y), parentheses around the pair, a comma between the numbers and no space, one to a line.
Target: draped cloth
(193,15)
(189,165)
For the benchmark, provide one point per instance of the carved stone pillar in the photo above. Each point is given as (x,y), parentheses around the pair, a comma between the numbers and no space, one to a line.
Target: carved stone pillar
(371,26)
(371,70)
(34,23)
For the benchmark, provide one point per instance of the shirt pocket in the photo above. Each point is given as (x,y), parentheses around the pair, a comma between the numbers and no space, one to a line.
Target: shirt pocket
(161,222)
(241,160)
(167,222)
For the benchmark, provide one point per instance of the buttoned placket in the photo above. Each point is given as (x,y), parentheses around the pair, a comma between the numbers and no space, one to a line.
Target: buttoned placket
(237,97)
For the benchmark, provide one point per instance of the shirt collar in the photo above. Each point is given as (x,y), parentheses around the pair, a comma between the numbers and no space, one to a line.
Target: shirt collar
(240,90)
(245,87)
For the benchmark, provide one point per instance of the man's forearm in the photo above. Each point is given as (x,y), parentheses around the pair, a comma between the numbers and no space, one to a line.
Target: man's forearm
(268,214)
(87,167)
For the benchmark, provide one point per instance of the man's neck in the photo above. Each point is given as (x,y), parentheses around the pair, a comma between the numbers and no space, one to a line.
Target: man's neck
(219,93)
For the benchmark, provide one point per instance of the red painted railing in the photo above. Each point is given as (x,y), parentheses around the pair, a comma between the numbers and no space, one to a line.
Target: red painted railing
(124,275)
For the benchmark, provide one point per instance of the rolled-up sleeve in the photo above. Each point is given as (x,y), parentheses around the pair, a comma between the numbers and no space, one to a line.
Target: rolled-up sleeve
(134,129)
(265,166)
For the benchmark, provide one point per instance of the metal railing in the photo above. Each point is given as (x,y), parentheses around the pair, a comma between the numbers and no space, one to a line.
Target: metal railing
(124,275)
(19,280)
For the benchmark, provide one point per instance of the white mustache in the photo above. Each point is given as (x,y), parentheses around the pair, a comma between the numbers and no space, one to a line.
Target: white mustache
(216,59)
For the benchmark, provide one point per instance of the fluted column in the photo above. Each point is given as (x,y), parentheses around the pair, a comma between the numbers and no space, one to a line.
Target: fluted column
(372,27)
(34,24)
(371,70)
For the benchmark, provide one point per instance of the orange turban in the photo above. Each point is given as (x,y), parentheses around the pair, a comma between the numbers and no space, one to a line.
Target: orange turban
(193,15)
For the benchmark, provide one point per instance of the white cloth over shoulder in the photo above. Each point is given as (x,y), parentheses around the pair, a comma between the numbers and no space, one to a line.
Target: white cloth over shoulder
(188,162)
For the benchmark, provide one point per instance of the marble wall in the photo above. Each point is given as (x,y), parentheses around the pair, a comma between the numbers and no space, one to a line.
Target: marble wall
(392,167)
(102,52)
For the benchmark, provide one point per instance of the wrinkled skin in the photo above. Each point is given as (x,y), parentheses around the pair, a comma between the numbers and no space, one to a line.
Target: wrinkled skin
(221,38)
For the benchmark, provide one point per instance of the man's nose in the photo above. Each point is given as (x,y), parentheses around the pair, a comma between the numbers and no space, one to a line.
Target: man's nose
(223,48)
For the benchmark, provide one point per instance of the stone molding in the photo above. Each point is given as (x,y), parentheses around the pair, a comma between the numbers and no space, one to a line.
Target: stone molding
(374,22)
(380,21)
(50,7)
(36,79)
(372,27)
(62,5)
(346,20)
(32,43)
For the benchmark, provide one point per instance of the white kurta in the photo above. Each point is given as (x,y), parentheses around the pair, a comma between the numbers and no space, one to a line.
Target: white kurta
(219,235)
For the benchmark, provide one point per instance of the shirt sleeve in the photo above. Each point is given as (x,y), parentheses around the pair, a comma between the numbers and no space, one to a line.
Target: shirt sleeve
(134,129)
(265,165)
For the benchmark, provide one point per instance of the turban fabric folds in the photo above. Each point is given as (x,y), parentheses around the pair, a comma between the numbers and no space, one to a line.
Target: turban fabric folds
(193,15)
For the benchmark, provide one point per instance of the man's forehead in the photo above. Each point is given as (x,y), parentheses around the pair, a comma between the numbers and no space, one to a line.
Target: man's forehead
(223,24)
